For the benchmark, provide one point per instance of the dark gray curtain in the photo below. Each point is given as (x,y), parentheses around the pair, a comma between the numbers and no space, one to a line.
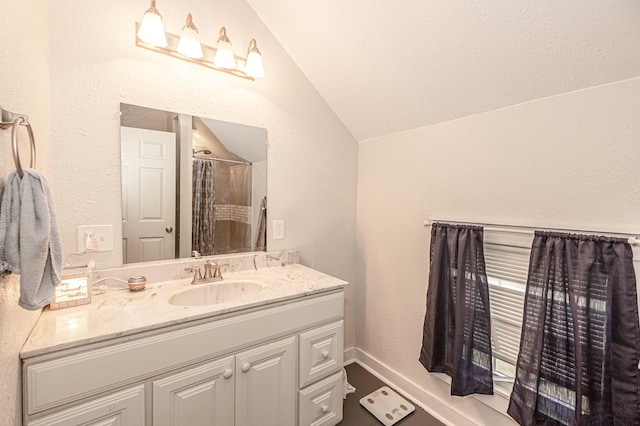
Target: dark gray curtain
(456,336)
(580,344)
(203,219)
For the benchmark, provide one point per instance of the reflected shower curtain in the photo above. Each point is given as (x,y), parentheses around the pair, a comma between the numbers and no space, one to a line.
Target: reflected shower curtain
(203,211)
(580,344)
(456,335)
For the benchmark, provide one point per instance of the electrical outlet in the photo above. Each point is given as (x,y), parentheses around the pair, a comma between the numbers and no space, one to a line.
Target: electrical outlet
(95,238)
(278,229)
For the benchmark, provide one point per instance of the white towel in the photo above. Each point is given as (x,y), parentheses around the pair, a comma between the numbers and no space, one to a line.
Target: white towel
(347,388)
(32,245)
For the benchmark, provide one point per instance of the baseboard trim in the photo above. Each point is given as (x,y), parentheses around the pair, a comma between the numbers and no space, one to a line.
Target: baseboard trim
(431,404)
(349,356)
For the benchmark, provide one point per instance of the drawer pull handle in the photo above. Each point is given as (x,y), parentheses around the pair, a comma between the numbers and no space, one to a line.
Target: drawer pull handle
(246,367)
(324,409)
(325,354)
(227,373)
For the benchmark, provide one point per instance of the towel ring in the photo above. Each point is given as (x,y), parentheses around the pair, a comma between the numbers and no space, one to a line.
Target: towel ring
(14,145)
(8,118)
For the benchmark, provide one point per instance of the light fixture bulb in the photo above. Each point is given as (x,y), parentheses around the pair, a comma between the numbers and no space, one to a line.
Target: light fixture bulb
(151,29)
(254,67)
(189,44)
(224,54)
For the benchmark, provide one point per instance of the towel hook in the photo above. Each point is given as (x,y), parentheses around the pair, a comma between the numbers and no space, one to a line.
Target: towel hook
(14,120)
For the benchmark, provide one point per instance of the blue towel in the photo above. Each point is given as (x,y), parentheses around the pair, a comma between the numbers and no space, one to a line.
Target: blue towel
(29,238)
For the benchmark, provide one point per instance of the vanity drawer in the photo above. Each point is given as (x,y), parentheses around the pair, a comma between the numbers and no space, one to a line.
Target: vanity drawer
(121,408)
(321,352)
(321,404)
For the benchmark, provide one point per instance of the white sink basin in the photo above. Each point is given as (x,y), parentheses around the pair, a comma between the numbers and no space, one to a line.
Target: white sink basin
(215,293)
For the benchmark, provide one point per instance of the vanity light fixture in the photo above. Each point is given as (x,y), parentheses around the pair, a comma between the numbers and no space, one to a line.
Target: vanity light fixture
(254,66)
(151,29)
(224,56)
(150,34)
(189,44)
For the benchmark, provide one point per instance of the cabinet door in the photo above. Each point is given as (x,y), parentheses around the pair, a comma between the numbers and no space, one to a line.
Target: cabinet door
(266,385)
(200,396)
(119,409)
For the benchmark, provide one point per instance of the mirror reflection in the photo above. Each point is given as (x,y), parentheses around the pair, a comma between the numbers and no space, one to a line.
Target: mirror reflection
(190,184)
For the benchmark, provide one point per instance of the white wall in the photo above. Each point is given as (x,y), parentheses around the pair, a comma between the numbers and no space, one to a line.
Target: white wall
(70,67)
(24,89)
(570,161)
(95,65)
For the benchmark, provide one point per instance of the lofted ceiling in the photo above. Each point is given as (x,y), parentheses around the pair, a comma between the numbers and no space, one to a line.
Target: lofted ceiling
(389,66)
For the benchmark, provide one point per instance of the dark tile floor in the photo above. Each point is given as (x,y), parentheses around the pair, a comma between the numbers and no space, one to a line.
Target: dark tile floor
(365,383)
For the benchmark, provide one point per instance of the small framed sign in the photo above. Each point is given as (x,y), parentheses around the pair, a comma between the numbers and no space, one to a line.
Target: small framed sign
(74,290)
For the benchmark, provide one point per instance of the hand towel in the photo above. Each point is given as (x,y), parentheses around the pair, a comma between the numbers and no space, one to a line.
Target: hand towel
(5,201)
(32,245)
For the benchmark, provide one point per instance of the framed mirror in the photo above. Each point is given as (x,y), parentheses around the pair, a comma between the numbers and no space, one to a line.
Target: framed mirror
(190,184)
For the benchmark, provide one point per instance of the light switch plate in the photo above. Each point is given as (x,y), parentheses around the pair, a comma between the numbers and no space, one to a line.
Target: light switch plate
(103,236)
(278,229)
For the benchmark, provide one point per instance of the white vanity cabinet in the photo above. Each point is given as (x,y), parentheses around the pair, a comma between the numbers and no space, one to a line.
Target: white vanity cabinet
(276,365)
(254,387)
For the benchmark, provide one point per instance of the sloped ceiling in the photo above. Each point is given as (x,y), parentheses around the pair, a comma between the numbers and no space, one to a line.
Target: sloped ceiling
(387,66)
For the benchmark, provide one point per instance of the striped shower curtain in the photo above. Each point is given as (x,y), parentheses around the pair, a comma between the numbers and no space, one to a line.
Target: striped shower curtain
(203,213)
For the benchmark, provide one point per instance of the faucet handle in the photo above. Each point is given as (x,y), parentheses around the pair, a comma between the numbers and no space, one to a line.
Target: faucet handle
(197,274)
(217,273)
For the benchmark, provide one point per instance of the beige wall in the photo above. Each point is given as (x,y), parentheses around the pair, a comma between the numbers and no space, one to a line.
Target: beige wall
(95,65)
(24,89)
(570,161)
(73,100)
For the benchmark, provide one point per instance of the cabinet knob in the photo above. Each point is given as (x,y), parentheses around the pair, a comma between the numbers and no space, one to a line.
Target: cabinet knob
(325,354)
(227,373)
(324,409)
(245,367)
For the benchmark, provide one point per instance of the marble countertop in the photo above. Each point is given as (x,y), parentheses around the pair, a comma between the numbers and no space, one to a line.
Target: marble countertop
(118,312)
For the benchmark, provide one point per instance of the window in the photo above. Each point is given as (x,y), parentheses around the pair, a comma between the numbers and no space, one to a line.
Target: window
(506,255)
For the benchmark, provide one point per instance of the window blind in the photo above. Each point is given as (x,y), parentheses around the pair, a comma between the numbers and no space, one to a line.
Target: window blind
(507,266)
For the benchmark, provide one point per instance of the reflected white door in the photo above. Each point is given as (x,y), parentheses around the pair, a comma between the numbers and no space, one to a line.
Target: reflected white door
(148,194)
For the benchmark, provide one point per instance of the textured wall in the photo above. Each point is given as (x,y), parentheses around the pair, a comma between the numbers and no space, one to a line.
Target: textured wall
(569,161)
(24,88)
(95,65)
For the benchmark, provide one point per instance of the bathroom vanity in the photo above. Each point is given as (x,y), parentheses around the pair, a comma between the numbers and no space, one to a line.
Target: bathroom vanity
(271,357)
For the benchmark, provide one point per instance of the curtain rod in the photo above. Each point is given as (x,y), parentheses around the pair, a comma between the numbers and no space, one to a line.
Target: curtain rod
(633,239)
(201,157)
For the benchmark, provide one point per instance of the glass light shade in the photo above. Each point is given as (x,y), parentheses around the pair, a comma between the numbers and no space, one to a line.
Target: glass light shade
(224,54)
(254,67)
(151,29)
(189,44)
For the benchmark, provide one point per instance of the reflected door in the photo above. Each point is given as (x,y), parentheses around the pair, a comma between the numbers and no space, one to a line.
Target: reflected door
(148,194)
